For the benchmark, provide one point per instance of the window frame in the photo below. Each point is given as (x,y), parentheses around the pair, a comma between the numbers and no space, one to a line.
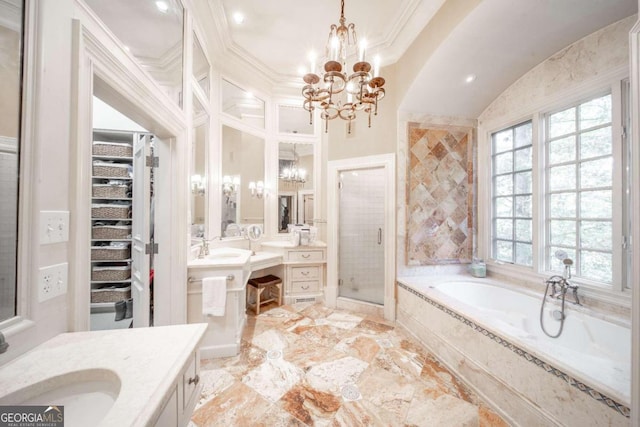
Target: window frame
(612,83)
(578,189)
(513,195)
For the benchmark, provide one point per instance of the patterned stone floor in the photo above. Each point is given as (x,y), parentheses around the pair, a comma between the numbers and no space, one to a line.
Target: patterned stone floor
(311,365)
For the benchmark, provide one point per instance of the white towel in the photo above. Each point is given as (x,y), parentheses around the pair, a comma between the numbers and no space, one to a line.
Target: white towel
(214,295)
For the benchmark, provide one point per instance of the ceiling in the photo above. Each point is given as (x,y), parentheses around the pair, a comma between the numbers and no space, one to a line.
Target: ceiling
(498,41)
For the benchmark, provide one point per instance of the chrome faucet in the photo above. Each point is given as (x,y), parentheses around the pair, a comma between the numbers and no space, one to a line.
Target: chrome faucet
(204,249)
(561,284)
(4,345)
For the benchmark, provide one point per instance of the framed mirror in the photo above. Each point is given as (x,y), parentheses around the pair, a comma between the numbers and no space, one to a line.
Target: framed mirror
(242,105)
(200,66)
(243,159)
(293,119)
(295,184)
(153,32)
(199,172)
(10,92)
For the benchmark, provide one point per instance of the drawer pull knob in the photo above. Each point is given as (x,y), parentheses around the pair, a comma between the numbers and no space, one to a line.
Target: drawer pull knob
(305,287)
(304,273)
(195,380)
(305,256)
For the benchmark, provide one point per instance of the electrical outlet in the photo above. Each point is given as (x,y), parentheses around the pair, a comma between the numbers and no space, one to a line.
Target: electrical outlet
(54,226)
(53,281)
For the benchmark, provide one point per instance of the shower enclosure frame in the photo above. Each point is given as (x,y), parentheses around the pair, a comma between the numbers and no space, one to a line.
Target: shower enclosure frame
(388,163)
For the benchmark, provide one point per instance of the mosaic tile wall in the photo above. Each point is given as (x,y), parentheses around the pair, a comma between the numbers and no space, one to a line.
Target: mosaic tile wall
(441,195)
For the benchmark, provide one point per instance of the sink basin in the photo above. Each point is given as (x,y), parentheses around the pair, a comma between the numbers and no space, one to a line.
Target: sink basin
(224,255)
(87,395)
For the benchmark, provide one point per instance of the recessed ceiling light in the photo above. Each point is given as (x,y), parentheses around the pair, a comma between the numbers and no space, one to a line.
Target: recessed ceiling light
(470,78)
(238,18)
(162,6)
(127,49)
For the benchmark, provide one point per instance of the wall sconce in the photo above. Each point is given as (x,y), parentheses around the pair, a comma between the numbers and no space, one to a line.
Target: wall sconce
(257,190)
(197,185)
(229,185)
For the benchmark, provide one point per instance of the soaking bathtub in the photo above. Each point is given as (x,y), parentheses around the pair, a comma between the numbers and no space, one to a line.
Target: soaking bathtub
(489,333)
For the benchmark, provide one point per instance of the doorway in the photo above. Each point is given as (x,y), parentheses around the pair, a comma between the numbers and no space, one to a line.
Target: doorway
(361,246)
(360,235)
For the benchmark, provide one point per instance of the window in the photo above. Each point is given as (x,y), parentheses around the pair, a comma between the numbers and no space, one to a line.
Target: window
(512,184)
(579,175)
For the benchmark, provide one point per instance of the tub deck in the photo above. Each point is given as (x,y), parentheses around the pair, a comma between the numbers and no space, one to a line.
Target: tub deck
(489,334)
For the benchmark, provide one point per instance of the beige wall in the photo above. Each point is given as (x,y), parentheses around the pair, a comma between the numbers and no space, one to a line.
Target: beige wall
(364,141)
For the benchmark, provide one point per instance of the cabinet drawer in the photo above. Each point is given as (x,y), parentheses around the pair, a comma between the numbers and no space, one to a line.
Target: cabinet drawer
(304,273)
(304,256)
(305,286)
(190,380)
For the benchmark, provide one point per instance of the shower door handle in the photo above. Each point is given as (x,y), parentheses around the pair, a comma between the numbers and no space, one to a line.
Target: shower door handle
(379,236)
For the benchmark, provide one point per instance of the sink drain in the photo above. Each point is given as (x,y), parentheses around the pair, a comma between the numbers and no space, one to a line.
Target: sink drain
(351,392)
(274,354)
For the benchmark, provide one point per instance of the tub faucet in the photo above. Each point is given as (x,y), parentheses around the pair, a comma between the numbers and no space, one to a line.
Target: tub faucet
(4,345)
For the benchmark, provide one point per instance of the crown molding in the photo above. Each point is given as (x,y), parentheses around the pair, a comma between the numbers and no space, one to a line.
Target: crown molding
(403,32)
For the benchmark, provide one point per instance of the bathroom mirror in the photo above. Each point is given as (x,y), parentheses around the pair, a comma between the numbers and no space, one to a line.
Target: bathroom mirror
(153,32)
(242,105)
(295,184)
(199,174)
(243,188)
(200,66)
(254,232)
(10,85)
(294,119)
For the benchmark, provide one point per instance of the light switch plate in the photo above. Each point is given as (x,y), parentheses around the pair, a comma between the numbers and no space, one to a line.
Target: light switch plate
(54,226)
(52,281)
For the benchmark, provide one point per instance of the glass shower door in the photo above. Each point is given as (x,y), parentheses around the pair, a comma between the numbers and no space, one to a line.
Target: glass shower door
(361,235)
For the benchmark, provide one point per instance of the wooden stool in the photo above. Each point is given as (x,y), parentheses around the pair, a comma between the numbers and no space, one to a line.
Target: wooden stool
(259,285)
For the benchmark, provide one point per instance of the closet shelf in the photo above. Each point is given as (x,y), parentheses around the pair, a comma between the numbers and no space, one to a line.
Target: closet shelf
(124,159)
(117,178)
(111,260)
(112,198)
(106,282)
(111,219)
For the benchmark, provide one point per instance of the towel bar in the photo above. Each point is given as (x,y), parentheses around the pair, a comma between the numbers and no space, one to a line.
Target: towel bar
(193,280)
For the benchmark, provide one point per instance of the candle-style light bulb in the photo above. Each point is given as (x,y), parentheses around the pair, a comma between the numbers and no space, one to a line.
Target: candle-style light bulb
(376,66)
(312,61)
(363,48)
(335,45)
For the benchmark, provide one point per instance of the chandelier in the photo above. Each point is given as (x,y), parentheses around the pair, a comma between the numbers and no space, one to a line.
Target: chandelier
(325,91)
(292,173)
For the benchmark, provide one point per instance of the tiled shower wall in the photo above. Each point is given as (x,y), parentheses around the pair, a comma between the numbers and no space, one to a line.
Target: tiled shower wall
(441,195)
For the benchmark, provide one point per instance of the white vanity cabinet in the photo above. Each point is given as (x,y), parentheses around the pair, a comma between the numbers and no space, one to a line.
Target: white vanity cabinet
(179,408)
(304,270)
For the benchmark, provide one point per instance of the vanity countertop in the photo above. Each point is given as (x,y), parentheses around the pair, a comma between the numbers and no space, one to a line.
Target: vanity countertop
(288,245)
(147,362)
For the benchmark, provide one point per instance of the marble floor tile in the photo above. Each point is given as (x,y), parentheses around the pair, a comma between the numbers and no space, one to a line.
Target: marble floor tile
(309,365)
